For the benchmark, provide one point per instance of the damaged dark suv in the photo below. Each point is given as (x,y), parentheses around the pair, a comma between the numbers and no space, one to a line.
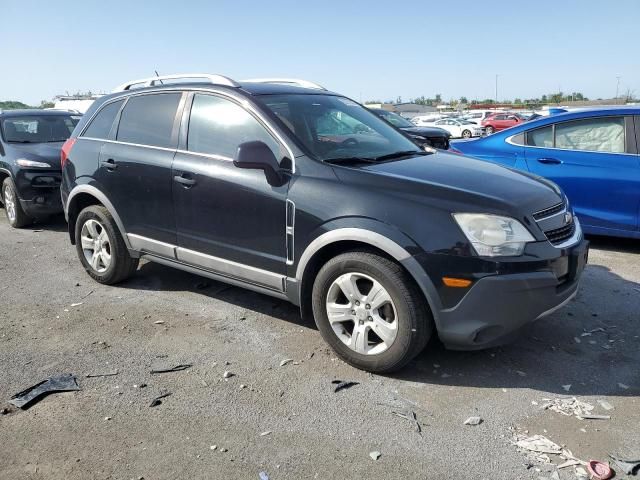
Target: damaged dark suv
(285,188)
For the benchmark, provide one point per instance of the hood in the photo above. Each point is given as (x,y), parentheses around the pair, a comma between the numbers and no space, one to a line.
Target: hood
(476,184)
(42,152)
(427,131)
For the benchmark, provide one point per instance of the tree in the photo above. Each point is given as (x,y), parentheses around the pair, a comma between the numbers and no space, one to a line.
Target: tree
(46,104)
(517,101)
(12,105)
(438,98)
(543,99)
(464,100)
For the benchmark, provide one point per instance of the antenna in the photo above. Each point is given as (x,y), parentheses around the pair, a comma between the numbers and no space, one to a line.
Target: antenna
(158,75)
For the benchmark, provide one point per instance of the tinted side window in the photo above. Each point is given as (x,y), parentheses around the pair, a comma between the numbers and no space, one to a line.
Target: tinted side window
(101,124)
(593,134)
(541,137)
(217,126)
(149,119)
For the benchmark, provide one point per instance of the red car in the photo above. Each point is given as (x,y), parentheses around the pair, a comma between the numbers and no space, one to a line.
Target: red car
(500,121)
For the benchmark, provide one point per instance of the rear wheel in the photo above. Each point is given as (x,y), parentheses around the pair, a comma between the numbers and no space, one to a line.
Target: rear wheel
(489,129)
(101,248)
(466,134)
(12,208)
(370,312)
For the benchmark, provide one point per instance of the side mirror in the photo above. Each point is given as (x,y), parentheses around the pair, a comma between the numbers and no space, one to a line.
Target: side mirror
(257,155)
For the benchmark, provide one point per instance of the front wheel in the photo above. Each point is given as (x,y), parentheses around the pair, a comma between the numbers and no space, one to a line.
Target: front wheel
(370,312)
(15,214)
(466,134)
(101,248)
(489,130)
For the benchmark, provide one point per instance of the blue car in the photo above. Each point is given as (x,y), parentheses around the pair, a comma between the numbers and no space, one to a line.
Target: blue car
(591,154)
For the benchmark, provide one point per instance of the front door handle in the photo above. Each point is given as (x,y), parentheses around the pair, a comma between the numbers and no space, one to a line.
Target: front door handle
(109,164)
(184,180)
(550,161)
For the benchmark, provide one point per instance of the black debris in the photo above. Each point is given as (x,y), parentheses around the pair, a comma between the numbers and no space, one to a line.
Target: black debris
(341,385)
(202,285)
(158,400)
(630,467)
(62,383)
(107,374)
(177,368)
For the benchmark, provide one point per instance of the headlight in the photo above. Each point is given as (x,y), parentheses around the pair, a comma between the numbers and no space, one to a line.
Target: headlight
(23,162)
(493,235)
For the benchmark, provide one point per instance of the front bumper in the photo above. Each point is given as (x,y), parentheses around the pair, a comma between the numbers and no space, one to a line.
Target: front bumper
(39,192)
(496,307)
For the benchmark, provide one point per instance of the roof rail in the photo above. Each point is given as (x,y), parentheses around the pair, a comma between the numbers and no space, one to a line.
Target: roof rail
(151,81)
(288,81)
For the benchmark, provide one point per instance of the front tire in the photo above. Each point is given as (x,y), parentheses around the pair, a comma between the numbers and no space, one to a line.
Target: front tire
(490,130)
(101,248)
(466,134)
(370,312)
(12,208)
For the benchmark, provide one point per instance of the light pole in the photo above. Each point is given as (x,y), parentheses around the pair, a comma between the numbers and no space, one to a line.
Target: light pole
(618,85)
(497,75)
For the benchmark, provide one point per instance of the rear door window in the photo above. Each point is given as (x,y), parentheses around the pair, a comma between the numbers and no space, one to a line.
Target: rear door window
(149,120)
(101,124)
(541,137)
(593,134)
(217,126)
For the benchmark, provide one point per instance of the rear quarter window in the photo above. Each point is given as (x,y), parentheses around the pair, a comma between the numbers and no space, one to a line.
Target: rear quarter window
(149,119)
(101,124)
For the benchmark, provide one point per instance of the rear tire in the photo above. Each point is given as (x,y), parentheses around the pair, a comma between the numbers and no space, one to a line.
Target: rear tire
(466,134)
(12,208)
(101,248)
(378,331)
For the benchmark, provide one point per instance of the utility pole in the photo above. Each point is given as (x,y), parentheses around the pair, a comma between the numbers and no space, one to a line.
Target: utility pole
(618,85)
(497,75)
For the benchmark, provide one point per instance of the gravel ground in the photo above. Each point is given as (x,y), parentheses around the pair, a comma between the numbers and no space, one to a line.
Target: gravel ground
(163,317)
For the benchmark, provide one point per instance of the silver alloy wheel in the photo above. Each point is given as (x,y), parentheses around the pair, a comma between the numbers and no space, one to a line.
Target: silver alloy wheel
(96,245)
(10,204)
(361,313)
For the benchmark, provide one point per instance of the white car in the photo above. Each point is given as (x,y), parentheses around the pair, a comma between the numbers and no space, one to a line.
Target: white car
(477,116)
(459,128)
(427,120)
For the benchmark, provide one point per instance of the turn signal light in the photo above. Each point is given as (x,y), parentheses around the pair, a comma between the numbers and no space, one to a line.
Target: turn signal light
(456,282)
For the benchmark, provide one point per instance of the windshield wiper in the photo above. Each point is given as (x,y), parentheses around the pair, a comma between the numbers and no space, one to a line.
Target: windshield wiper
(404,153)
(340,160)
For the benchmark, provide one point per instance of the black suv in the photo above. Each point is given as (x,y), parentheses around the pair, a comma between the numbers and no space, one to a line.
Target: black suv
(424,136)
(257,184)
(30,142)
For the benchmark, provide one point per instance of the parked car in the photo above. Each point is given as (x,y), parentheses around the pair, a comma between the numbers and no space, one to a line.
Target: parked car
(500,121)
(30,142)
(592,155)
(426,120)
(424,136)
(459,128)
(476,116)
(383,243)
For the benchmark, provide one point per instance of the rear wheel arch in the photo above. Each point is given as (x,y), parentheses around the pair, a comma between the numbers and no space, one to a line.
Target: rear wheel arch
(84,196)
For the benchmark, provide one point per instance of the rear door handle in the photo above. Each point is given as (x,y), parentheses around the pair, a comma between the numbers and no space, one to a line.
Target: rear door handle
(550,161)
(184,180)
(109,164)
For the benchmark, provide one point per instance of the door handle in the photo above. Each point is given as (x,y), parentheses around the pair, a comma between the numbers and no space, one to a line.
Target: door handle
(550,161)
(109,164)
(184,180)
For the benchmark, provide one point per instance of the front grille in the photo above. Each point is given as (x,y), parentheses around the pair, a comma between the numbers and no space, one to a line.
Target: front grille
(561,234)
(547,212)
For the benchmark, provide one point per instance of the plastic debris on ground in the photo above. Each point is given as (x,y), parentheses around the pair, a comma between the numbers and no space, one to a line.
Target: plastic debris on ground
(606,405)
(411,417)
(630,467)
(375,455)
(343,385)
(62,383)
(599,470)
(263,476)
(177,368)
(473,421)
(106,374)
(286,361)
(568,406)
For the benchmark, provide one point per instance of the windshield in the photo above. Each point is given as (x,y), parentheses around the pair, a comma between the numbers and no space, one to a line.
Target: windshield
(333,127)
(396,120)
(38,128)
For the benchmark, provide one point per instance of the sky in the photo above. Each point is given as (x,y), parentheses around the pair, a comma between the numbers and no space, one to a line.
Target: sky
(367,50)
